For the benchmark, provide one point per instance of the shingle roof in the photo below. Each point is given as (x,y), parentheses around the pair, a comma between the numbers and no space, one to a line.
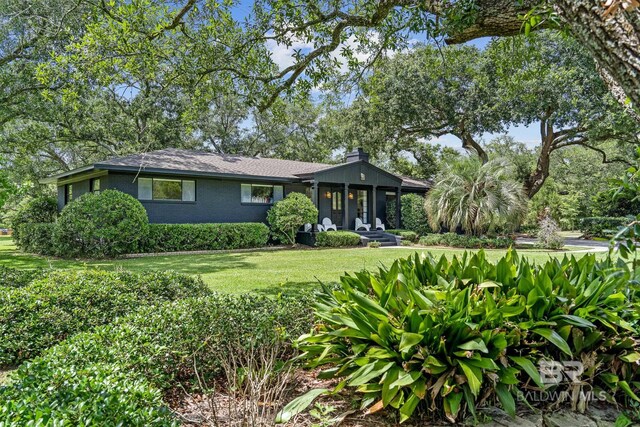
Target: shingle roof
(208,163)
(200,161)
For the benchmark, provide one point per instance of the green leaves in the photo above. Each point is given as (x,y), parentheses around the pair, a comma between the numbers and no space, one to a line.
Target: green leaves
(423,332)
(298,405)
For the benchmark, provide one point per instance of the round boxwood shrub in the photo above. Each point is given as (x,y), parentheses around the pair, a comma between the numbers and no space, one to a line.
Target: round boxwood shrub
(41,209)
(98,225)
(289,214)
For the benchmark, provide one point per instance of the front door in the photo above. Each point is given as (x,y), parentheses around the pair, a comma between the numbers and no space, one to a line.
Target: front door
(336,207)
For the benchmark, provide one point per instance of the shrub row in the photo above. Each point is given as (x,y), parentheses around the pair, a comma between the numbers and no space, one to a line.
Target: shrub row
(602,226)
(464,241)
(115,375)
(42,209)
(37,238)
(15,278)
(413,214)
(336,239)
(407,235)
(442,335)
(48,310)
(202,237)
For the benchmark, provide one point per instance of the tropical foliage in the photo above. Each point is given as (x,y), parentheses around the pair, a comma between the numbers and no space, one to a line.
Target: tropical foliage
(439,335)
(475,196)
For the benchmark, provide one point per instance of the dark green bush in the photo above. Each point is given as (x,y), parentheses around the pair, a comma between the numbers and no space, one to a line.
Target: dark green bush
(463,241)
(150,351)
(287,216)
(42,209)
(336,239)
(602,226)
(15,278)
(205,237)
(104,224)
(411,236)
(439,335)
(48,310)
(37,238)
(413,214)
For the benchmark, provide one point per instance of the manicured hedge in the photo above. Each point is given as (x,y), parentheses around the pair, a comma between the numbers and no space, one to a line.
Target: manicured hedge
(336,239)
(413,214)
(464,241)
(48,310)
(602,226)
(204,237)
(37,238)
(41,209)
(115,374)
(407,235)
(97,225)
(15,278)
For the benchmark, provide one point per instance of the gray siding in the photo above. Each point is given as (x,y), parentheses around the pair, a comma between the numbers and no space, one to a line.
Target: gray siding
(79,188)
(216,201)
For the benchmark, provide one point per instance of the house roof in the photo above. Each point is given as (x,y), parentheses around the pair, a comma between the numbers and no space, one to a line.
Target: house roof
(212,164)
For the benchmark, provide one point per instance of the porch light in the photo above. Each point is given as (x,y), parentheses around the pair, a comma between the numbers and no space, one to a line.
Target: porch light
(350,195)
(327,194)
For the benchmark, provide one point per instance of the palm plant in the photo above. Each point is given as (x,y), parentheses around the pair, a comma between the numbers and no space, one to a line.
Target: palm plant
(478,197)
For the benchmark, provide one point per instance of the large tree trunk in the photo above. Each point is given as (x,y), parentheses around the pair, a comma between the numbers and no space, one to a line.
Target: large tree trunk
(613,40)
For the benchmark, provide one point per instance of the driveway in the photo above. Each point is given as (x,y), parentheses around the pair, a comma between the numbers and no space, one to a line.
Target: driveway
(593,245)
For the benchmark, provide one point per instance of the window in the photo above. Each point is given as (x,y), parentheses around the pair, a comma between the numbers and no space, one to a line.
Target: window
(68,193)
(166,189)
(363,206)
(336,201)
(259,193)
(94,185)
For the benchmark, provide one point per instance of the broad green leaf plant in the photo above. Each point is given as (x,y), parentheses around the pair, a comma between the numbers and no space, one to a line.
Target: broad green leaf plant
(441,337)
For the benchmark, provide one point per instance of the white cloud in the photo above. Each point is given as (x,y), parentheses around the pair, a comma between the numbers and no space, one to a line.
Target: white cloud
(283,55)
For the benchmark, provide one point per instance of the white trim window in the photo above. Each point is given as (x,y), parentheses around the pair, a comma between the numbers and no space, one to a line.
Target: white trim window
(167,189)
(261,194)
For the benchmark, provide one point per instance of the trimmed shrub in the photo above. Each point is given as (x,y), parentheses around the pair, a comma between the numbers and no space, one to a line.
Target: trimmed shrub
(14,278)
(336,239)
(602,226)
(413,214)
(41,209)
(205,237)
(149,351)
(374,244)
(410,236)
(463,241)
(289,214)
(37,238)
(48,310)
(104,224)
(439,336)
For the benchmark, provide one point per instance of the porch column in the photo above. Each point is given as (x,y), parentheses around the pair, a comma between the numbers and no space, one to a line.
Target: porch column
(374,215)
(397,207)
(345,208)
(315,199)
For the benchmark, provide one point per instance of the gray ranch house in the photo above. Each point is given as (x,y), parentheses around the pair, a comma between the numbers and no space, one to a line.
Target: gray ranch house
(183,186)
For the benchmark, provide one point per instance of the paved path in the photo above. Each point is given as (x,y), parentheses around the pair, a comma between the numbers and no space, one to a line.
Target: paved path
(593,245)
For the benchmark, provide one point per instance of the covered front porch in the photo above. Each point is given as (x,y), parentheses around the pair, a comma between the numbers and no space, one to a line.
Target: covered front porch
(343,203)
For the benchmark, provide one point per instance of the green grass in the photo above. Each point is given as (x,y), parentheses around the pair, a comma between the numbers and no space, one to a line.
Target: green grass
(259,271)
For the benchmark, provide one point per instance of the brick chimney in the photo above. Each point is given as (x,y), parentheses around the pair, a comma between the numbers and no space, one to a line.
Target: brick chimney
(357,155)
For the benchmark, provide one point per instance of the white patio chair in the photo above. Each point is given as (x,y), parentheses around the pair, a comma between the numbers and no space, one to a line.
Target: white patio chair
(328,225)
(307,228)
(360,224)
(379,225)
(320,227)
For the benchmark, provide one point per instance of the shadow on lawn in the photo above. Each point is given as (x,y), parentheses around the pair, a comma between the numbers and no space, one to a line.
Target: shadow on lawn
(188,264)
(291,288)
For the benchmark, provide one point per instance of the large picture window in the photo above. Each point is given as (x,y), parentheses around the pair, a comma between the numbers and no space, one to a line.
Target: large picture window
(260,193)
(181,190)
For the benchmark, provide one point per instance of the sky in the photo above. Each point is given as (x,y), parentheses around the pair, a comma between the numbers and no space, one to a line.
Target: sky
(283,56)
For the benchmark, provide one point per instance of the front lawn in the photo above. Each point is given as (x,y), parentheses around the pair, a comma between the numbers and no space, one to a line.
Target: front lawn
(261,271)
